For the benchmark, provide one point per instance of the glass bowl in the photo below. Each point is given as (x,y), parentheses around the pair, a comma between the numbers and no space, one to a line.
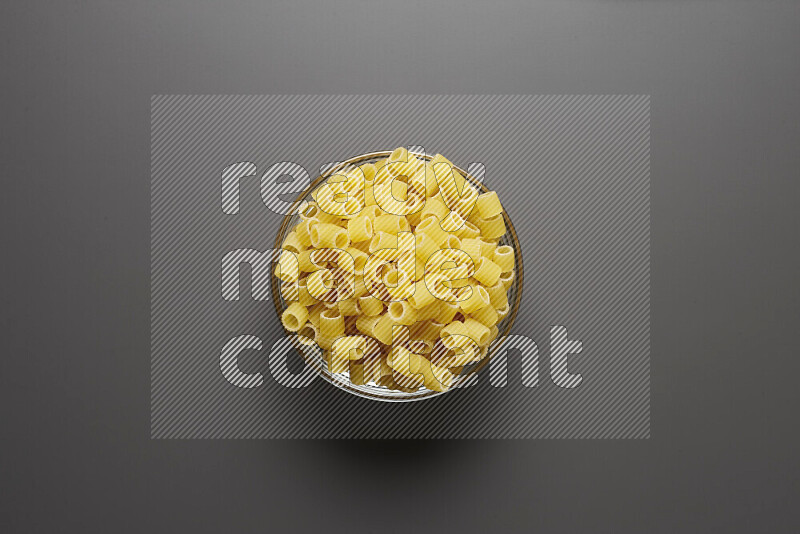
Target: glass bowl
(313,356)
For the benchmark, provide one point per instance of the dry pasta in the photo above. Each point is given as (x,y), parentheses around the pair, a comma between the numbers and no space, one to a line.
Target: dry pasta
(397,271)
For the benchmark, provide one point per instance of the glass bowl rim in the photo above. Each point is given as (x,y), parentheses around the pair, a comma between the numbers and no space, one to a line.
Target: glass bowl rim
(319,367)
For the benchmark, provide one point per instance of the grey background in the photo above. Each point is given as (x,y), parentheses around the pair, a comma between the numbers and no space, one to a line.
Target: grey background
(724,80)
(572,173)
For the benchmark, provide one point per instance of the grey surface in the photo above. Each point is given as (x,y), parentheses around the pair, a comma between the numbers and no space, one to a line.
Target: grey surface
(724,80)
(573,174)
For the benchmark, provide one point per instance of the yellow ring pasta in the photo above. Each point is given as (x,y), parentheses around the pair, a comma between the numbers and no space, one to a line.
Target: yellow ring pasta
(397,271)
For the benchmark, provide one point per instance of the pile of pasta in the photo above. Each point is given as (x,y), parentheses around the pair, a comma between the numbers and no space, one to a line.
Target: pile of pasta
(396,272)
